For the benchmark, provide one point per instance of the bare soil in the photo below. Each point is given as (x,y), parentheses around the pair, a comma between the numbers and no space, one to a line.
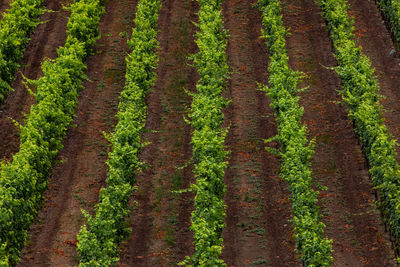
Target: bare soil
(44,42)
(258,232)
(352,221)
(161,222)
(81,171)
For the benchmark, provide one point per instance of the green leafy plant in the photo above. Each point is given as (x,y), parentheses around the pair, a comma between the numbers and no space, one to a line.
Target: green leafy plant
(296,151)
(23,180)
(16,26)
(208,138)
(361,94)
(98,244)
(391,10)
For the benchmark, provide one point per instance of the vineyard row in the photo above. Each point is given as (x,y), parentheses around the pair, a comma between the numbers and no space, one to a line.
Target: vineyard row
(209,154)
(391,10)
(296,151)
(23,181)
(361,94)
(16,27)
(98,244)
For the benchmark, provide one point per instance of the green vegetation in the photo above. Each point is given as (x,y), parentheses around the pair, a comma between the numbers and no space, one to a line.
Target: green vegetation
(209,136)
(16,27)
(23,180)
(391,9)
(361,94)
(98,246)
(296,151)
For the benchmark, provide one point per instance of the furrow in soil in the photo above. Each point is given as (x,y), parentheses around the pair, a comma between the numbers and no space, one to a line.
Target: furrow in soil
(161,233)
(258,231)
(352,220)
(81,170)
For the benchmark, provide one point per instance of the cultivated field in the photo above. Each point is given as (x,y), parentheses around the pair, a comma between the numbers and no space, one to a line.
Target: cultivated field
(190,140)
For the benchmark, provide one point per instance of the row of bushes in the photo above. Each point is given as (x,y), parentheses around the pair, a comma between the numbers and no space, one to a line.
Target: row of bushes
(391,10)
(23,180)
(296,151)
(361,93)
(208,137)
(98,246)
(16,27)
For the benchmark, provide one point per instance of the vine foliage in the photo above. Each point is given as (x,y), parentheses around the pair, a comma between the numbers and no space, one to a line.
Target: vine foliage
(208,138)
(16,26)
(98,244)
(361,94)
(296,151)
(23,180)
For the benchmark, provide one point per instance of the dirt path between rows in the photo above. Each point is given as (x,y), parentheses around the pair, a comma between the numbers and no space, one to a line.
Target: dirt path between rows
(81,172)
(258,232)
(44,42)
(348,207)
(377,44)
(161,222)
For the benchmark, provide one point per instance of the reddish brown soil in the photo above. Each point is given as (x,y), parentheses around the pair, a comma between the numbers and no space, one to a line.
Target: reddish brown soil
(258,208)
(43,44)
(377,44)
(76,180)
(161,222)
(354,224)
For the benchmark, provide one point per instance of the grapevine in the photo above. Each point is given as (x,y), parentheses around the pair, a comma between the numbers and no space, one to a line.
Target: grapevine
(296,150)
(98,245)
